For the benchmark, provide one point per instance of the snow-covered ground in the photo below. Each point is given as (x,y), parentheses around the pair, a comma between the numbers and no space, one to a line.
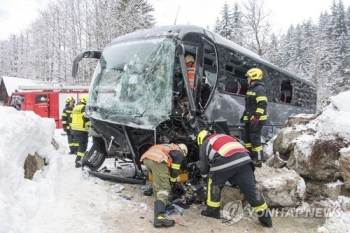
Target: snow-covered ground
(61,199)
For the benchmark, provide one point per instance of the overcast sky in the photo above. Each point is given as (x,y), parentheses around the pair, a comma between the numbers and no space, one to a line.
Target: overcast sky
(16,15)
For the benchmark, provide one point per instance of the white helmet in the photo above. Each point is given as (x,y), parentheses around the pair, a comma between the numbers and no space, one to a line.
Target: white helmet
(183,147)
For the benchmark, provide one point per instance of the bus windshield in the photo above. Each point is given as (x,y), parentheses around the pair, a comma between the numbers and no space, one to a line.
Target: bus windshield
(132,83)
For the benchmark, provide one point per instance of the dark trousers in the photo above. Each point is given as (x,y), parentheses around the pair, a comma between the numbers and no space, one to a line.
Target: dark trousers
(243,177)
(252,140)
(73,145)
(82,138)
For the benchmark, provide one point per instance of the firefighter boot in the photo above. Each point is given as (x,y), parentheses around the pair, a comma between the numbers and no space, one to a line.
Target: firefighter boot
(148,192)
(77,159)
(211,212)
(265,218)
(255,158)
(159,220)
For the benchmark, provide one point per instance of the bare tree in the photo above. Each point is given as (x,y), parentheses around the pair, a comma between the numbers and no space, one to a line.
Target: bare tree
(259,27)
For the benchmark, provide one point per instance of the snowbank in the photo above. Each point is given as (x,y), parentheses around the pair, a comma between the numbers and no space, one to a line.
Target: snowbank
(23,133)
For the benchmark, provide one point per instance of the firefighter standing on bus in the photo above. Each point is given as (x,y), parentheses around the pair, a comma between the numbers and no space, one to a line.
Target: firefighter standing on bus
(255,115)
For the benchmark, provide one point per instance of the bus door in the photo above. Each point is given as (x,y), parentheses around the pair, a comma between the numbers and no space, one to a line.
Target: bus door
(41,106)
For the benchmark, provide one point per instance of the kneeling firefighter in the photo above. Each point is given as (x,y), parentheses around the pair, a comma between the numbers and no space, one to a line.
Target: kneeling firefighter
(79,125)
(221,159)
(162,161)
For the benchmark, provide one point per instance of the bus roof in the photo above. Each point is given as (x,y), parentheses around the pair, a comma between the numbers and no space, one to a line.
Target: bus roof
(181,30)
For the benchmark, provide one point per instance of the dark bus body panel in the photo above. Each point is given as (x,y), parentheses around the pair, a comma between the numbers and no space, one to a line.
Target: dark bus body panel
(218,95)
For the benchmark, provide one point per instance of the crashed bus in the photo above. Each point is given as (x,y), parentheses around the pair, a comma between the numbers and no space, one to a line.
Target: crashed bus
(140,94)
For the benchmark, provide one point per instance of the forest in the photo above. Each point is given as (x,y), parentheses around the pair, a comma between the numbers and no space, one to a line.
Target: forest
(316,51)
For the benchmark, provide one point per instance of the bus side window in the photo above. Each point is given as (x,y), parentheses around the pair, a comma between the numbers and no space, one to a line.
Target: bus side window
(232,85)
(244,86)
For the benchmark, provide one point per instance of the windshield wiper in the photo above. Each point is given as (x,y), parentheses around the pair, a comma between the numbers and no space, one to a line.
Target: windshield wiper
(141,115)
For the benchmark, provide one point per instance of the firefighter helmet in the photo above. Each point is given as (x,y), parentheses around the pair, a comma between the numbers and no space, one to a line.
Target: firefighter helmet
(189,58)
(201,136)
(183,148)
(83,99)
(69,99)
(254,74)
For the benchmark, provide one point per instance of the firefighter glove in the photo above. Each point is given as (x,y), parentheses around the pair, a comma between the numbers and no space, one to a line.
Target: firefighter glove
(255,121)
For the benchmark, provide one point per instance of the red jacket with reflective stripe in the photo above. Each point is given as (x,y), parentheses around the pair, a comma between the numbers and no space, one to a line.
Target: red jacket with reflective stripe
(220,152)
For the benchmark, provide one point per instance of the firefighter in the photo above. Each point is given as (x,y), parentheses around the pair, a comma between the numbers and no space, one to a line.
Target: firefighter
(221,159)
(80,127)
(191,69)
(163,161)
(67,111)
(255,115)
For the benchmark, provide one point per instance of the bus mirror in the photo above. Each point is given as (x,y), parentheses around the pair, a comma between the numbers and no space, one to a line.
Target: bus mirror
(75,70)
(80,56)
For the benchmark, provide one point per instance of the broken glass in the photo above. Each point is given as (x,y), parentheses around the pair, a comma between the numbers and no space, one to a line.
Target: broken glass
(132,83)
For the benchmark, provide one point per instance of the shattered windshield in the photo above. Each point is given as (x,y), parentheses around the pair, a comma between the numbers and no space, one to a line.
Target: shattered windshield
(132,83)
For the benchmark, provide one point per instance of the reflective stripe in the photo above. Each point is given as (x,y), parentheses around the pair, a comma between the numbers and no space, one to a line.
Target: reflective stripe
(166,193)
(175,166)
(160,157)
(211,203)
(263,117)
(248,144)
(260,110)
(260,207)
(64,114)
(251,93)
(230,163)
(229,146)
(261,98)
(64,122)
(81,154)
(173,179)
(257,149)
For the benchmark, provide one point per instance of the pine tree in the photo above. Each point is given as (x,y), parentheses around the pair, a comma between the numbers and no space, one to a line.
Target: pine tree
(237,34)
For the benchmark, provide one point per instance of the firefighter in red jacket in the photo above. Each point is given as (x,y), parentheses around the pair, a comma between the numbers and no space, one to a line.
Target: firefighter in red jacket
(67,111)
(221,159)
(163,161)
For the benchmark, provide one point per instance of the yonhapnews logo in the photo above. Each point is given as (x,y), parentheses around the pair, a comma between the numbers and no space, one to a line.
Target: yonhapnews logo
(234,212)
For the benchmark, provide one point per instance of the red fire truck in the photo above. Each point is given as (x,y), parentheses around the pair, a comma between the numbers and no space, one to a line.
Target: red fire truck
(46,101)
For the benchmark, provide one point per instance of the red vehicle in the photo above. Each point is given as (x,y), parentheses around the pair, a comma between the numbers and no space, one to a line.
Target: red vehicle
(46,101)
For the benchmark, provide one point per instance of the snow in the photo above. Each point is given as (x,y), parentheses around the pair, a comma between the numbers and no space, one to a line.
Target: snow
(36,205)
(12,83)
(334,119)
(334,184)
(56,197)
